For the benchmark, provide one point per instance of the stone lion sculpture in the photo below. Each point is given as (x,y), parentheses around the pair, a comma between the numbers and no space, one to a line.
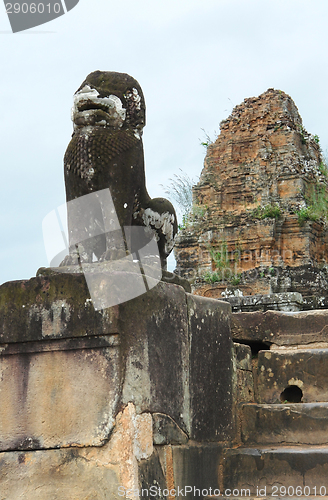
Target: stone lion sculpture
(106,151)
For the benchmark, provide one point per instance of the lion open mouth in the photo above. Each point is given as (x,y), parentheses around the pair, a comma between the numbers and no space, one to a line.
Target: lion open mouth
(90,109)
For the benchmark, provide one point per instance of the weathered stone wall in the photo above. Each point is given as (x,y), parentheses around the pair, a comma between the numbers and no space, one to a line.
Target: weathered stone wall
(98,403)
(259,173)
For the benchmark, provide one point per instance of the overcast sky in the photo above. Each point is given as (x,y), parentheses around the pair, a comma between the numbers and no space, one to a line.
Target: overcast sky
(194,59)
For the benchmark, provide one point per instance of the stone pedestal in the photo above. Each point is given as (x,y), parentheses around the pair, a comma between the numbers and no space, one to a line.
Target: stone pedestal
(97,404)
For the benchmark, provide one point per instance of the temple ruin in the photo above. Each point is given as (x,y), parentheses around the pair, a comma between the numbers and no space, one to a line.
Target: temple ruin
(258,223)
(171,394)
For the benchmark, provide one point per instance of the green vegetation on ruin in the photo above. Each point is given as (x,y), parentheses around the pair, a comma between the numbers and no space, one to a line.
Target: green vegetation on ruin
(323,168)
(270,211)
(223,271)
(179,190)
(317,205)
(195,216)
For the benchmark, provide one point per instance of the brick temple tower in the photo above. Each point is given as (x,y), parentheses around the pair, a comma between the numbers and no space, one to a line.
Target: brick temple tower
(258,223)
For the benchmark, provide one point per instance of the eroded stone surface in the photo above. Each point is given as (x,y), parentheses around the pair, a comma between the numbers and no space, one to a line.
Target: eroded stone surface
(196,467)
(152,474)
(260,466)
(305,423)
(156,341)
(50,307)
(94,473)
(167,354)
(274,327)
(166,431)
(244,373)
(56,474)
(288,302)
(57,397)
(211,398)
(303,369)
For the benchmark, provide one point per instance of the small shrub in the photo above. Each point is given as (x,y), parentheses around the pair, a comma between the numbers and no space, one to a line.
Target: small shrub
(196,214)
(211,277)
(271,211)
(223,270)
(302,134)
(306,213)
(217,276)
(317,205)
(267,212)
(323,168)
(180,191)
(220,257)
(236,279)
(184,222)
(207,141)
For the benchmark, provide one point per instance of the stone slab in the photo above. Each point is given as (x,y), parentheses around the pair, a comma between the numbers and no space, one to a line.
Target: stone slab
(244,373)
(50,307)
(92,473)
(305,423)
(196,467)
(276,327)
(58,393)
(166,431)
(155,353)
(260,467)
(303,369)
(55,475)
(178,360)
(288,301)
(211,369)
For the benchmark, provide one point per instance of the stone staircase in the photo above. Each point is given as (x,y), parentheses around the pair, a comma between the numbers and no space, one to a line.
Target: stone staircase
(284,430)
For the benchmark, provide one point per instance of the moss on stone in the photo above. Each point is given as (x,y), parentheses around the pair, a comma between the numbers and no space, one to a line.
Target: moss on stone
(53,306)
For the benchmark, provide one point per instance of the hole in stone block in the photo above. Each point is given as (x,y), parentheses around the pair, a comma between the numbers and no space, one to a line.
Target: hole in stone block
(256,346)
(292,394)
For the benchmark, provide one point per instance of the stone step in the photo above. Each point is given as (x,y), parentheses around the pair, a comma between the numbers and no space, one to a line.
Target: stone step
(305,327)
(292,375)
(255,468)
(292,423)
